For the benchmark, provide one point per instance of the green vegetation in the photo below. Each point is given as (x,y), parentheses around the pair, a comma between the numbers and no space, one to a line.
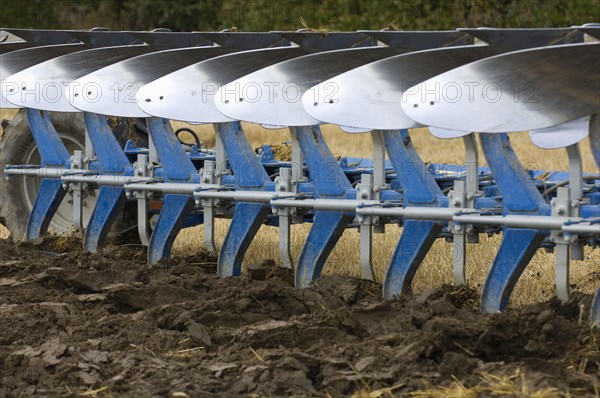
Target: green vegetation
(261,15)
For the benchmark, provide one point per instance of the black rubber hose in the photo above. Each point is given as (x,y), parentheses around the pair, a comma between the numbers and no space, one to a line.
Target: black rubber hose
(192,132)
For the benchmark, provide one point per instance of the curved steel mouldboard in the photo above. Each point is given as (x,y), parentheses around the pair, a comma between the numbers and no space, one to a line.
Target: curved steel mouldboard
(38,36)
(6,48)
(246,40)
(522,90)
(102,38)
(16,61)
(50,85)
(513,39)
(563,135)
(188,94)
(420,40)
(273,95)
(370,96)
(328,41)
(118,83)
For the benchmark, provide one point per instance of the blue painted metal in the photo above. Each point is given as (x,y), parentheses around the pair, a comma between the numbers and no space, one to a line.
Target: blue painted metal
(595,140)
(247,169)
(595,310)
(46,204)
(519,192)
(415,242)
(248,217)
(517,248)
(327,228)
(329,182)
(111,160)
(174,160)
(177,167)
(324,170)
(109,153)
(109,205)
(519,196)
(172,216)
(419,189)
(418,185)
(52,153)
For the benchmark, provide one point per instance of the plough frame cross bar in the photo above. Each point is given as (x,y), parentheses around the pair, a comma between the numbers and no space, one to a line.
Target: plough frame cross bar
(469,83)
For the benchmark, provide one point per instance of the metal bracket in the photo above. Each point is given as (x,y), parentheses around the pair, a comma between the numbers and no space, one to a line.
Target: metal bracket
(143,168)
(76,189)
(220,156)
(561,207)
(285,183)
(379,182)
(208,176)
(576,193)
(458,197)
(365,191)
(463,196)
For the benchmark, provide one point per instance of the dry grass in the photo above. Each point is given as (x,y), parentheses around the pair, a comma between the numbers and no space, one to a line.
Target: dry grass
(497,385)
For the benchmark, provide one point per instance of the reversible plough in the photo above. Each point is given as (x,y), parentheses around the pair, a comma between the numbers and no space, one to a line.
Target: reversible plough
(488,81)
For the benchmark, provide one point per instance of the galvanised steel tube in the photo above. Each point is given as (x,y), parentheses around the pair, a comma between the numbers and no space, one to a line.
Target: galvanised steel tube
(209,191)
(35,172)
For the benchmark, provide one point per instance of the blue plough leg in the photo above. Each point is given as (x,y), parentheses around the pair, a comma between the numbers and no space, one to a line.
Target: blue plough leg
(53,154)
(519,196)
(248,217)
(112,161)
(419,189)
(177,167)
(328,226)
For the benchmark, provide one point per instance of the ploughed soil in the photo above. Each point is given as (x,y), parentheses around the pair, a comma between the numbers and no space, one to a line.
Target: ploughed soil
(75,324)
